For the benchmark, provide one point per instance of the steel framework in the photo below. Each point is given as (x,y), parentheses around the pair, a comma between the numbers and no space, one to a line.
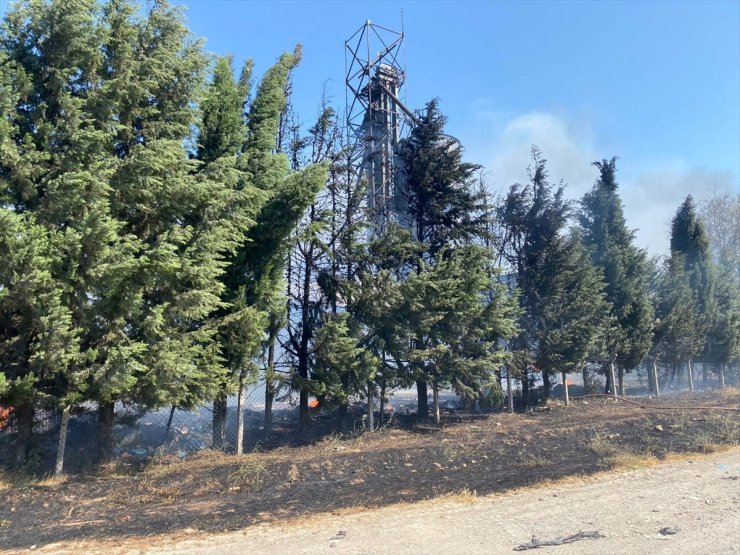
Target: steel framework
(376,117)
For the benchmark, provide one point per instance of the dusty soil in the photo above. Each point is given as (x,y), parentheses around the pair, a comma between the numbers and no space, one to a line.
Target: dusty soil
(699,499)
(120,508)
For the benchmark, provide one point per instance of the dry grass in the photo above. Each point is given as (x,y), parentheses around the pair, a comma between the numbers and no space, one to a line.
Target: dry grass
(13,480)
(730,392)
(530,461)
(249,476)
(466,496)
(617,457)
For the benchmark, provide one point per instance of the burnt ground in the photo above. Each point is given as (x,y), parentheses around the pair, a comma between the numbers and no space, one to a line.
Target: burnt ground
(214,492)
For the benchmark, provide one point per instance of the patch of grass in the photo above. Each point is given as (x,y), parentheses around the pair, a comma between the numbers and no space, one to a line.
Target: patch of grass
(528,460)
(466,496)
(614,456)
(452,453)
(250,476)
(18,479)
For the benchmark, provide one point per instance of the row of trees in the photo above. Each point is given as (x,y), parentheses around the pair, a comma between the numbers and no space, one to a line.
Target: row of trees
(590,296)
(170,236)
(144,210)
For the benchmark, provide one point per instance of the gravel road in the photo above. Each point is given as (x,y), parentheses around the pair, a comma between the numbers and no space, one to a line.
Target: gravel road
(700,497)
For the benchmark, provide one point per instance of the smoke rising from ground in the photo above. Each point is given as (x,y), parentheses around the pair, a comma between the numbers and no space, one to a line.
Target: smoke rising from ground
(650,195)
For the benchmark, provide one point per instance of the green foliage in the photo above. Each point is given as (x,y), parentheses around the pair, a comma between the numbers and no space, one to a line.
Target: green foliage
(560,290)
(341,366)
(38,342)
(677,333)
(687,300)
(624,268)
(458,314)
(441,203)
(222,126)
(724,335)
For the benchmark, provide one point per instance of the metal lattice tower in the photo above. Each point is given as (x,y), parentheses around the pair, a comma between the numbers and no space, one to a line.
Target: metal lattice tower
(376,118)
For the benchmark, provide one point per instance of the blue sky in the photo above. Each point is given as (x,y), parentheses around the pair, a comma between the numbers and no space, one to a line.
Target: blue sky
(655,83)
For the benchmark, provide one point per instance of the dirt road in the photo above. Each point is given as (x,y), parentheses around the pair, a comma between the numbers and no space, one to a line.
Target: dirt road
(700,497)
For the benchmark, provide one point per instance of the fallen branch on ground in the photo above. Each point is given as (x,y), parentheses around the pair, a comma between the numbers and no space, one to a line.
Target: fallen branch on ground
(535,543)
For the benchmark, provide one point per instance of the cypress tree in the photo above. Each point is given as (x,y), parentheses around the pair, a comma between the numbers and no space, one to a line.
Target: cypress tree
(560,291)
(38,342)
(610,243)
(439,201)
(691,261)
(458,315)
(254,276)
(102,123)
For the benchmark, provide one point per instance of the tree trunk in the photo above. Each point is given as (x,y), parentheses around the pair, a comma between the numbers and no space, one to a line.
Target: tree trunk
(585,375)
(509,389)
(383,401)
(106,416)
(612,379)
(608,385)
(704,373)
(721,375)
(620,372)
(525,387)
(62,443)
(565,389)
(240,417)
(24,418)
(269,396)
(169,425)
(306,332)
(656,382)
(219,421)
(691,376)
(269,386)
(672,378)
(422,403)
(435,396)
(343,422)
(546,384)
(370,408)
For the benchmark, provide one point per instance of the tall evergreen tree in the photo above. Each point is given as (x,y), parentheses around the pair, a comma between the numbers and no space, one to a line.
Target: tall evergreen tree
(459,315)
(254,276)
(691,260)
(38,342)
(559,289)
(623,265)
(101,118)
(440,203)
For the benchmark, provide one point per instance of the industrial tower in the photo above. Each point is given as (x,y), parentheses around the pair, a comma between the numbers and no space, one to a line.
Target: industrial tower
(376,117)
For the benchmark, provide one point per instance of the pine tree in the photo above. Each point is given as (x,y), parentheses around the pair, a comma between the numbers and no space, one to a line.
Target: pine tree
(723,342)
(221,137)
(571,307)
(341,365)
(442,205)
(677,335)
(624,268)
